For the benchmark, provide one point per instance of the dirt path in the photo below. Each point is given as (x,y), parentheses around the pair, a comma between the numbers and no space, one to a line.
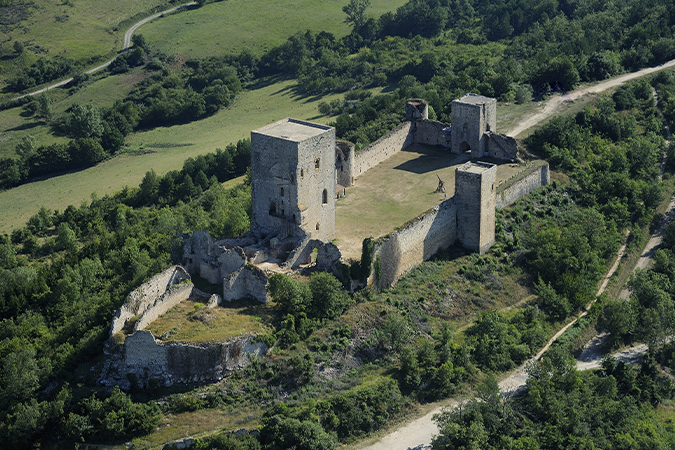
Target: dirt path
(417,434)
(127,43)
(552,105)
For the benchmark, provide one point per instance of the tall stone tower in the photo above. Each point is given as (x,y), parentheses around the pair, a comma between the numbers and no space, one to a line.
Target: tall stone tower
(472,116)
(475,198)
(293,179)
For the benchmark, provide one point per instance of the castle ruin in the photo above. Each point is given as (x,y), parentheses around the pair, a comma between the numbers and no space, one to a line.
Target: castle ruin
(298,169)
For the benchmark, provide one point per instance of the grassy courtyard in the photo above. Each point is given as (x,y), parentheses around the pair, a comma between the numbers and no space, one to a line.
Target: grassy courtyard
(397,190)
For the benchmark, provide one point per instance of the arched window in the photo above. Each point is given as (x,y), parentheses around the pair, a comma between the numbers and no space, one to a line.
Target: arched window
(317,226)
(325,196)
(273,209)
(302,173)
(282,191)
(294,218)
(316,163)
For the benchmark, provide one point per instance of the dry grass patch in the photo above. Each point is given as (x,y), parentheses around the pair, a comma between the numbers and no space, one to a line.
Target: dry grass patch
(192,321)
(197,424)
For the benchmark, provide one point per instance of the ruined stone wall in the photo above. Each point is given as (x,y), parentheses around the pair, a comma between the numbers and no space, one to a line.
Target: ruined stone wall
(174,362)
(538,176)
(173,296)
(143,299)
(502,146)
(246,282)
(416,242)
(432,132)
(382,149)
(344,157)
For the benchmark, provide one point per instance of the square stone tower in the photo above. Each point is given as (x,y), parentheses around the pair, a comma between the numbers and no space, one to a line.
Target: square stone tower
(293,179)
(475,198)
(472,116)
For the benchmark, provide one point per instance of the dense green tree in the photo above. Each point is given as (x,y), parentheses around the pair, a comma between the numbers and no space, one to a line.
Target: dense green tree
(281,433)
(328,296)
(84,121)
(291,296)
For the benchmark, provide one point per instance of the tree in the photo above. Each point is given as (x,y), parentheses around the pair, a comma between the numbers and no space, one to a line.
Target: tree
(18,47)
(44,108)
(138,40)
(66,238)
(290,295)
(149,187)
(84,121)
(281,433)
(356,12)
(328,297)
(26,147)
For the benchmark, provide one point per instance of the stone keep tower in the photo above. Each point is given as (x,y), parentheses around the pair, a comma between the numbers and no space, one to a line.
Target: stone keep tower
(475,198)
(293,179)
(472,116)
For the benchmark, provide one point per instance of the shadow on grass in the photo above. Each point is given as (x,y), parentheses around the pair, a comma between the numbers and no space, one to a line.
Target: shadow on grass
(26,126)
(430,159)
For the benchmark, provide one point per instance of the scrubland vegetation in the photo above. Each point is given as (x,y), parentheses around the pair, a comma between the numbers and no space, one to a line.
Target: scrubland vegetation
(346,365)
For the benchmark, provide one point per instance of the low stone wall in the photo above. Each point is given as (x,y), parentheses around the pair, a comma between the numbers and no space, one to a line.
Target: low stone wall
(432,132)
(416,242)
(523,184)
(144,299)
(179,362)
(382,149)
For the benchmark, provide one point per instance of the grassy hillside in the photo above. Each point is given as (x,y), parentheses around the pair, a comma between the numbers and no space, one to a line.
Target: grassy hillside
(77,29)
(225,27)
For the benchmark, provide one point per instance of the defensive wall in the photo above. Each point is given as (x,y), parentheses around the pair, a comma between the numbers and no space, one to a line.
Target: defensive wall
(419,239)
(380,150)
(415,242)
(523,183)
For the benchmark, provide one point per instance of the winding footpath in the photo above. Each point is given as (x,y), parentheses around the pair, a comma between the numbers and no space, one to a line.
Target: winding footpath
(417,435)
(127,44)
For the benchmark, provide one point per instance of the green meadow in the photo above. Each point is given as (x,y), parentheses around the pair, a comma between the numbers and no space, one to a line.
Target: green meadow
(229,26)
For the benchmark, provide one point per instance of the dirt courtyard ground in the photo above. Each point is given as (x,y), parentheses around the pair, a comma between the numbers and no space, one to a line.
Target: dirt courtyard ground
(397,190)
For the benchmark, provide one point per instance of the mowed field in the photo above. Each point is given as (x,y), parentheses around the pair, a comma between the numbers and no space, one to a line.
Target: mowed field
(251,110)
(230,26)
(396,191)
